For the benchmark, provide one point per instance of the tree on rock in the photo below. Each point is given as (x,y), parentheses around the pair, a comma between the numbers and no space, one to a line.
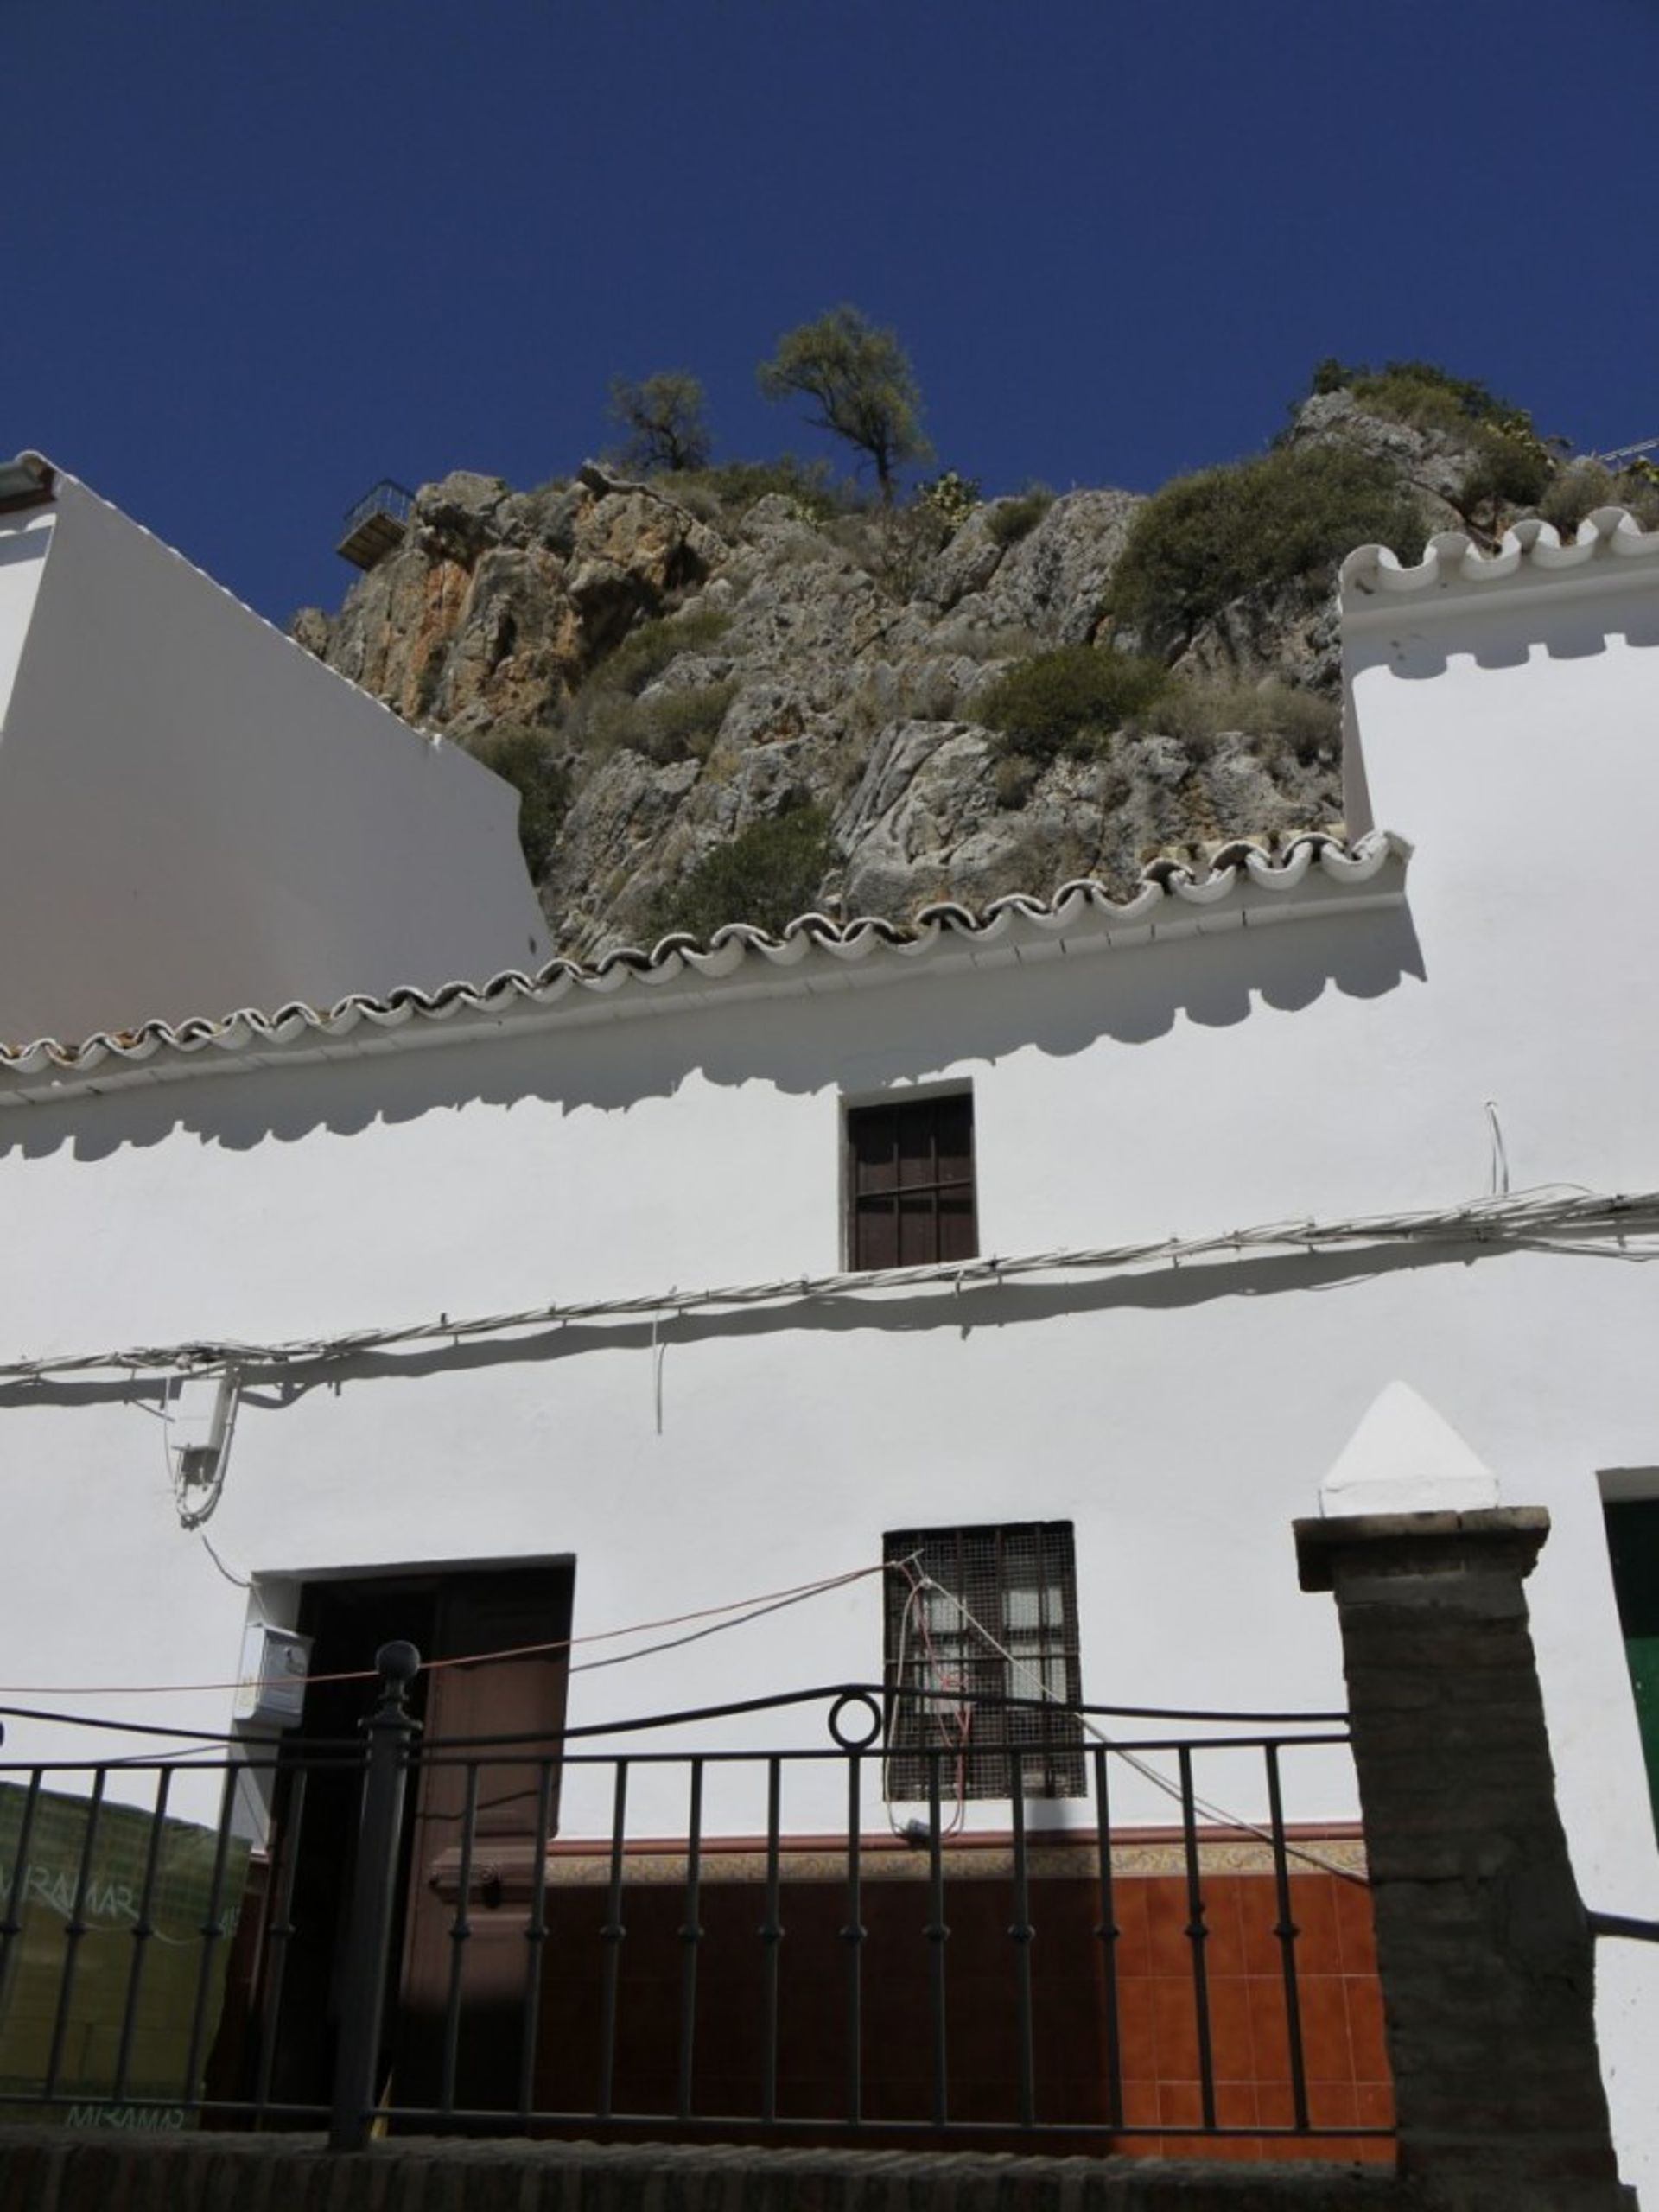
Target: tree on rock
(861,382)
(663,418)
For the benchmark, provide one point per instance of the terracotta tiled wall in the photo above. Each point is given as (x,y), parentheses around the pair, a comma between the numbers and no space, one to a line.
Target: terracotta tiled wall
(1340,2002)
(1339,1999)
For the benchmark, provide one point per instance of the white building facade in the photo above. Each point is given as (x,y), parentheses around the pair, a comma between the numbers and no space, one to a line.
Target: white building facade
(692,1391)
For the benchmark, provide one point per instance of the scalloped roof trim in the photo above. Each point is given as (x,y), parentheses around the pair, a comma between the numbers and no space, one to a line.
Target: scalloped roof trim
(1608,544)
(1238,872)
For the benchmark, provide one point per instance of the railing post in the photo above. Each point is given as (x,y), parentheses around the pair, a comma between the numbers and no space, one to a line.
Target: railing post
(391,1730)
(1483,1951)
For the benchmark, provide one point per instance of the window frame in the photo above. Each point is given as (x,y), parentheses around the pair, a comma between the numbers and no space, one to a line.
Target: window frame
(1629,1512)
(986,1565)
(911,1100)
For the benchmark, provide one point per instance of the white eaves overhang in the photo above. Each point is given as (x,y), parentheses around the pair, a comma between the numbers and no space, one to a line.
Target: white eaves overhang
(1315,877)
(1609,555)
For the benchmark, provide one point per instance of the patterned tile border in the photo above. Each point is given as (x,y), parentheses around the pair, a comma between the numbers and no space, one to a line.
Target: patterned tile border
(576,1866)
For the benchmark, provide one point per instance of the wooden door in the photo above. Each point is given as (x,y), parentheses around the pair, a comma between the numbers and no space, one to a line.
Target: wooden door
(489,1966)
(1633,1545)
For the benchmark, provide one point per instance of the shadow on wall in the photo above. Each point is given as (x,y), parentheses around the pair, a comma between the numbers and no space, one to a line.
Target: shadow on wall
(980,1304)
(1416,651)
(848,1040)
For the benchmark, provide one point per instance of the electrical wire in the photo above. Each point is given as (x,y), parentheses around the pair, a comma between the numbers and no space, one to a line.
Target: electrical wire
(241,1581)
(963,1717)
(1500,1153)
(739,1613)
(205,1747)
(677,1643)
(1218,1813)
(746,1609)
(1564,1218)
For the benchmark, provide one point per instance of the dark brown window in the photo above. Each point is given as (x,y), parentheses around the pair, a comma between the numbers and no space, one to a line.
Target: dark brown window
(955,1596)
(910,1182)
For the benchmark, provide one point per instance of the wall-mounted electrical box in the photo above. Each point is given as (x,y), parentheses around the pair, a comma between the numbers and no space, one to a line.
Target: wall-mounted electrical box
(271,1687)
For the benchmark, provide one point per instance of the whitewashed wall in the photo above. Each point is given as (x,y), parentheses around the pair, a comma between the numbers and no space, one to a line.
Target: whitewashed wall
(24,543)
(196,814)
(1180,1418)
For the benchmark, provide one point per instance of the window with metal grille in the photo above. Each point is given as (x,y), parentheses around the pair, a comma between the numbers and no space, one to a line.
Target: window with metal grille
(955,1595)
(910,1182)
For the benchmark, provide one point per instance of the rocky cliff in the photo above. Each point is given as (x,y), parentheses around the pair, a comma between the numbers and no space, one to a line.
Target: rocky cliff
(666,665)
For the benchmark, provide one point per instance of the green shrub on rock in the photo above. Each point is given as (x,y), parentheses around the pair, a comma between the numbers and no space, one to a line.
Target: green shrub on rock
(1578,491)
(733,486)
(1009,520)
(528,760)
(951,496)
(645,652)
(667,726)
(1205,540)
(674,725)
(1070,700)
(682,725)
(1512,466)
(1509,470)
(1278,717)
(1421,393)
(766,875)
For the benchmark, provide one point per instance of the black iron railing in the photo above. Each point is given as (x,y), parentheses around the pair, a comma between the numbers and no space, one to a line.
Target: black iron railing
(1623,1923)
(879,1978)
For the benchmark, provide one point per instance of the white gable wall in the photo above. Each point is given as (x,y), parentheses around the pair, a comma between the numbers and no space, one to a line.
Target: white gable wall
(23,563)
(1519,747)
(196,814)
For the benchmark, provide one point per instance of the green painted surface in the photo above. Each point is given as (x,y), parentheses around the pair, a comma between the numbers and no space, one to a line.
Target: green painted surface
(1633,1546)
(170,1972)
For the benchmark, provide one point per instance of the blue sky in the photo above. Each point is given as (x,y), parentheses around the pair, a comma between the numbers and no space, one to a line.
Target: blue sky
(261,252)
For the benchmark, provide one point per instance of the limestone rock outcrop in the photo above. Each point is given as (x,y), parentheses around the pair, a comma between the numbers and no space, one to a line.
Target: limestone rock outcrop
(833,662)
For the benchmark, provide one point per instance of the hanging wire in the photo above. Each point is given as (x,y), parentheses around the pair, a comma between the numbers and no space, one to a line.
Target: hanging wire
(961,1718)
(1564,1218)
(1500,1153)
(745,1608)
(241,1581)
(1211,1811)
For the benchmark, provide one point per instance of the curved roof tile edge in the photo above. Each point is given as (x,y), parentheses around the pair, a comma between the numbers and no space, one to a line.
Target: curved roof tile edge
(1529,550)
(1238,868)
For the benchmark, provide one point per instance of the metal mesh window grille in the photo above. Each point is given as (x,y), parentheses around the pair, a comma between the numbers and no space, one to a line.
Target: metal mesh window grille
(1019,1582)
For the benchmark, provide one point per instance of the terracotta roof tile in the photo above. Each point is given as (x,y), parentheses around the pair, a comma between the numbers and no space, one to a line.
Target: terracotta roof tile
(1245,885)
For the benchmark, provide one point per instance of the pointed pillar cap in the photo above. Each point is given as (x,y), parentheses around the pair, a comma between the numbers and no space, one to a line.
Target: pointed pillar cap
(1405,1458)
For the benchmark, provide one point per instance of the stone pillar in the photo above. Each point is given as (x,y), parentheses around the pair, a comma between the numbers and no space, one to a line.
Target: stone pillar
(1485,1959)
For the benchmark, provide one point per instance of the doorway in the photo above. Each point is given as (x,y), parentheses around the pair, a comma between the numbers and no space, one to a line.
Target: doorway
(452,1615)
(1633,1550)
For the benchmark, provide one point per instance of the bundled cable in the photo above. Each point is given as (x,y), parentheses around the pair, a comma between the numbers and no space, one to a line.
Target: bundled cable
(1555,1218)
